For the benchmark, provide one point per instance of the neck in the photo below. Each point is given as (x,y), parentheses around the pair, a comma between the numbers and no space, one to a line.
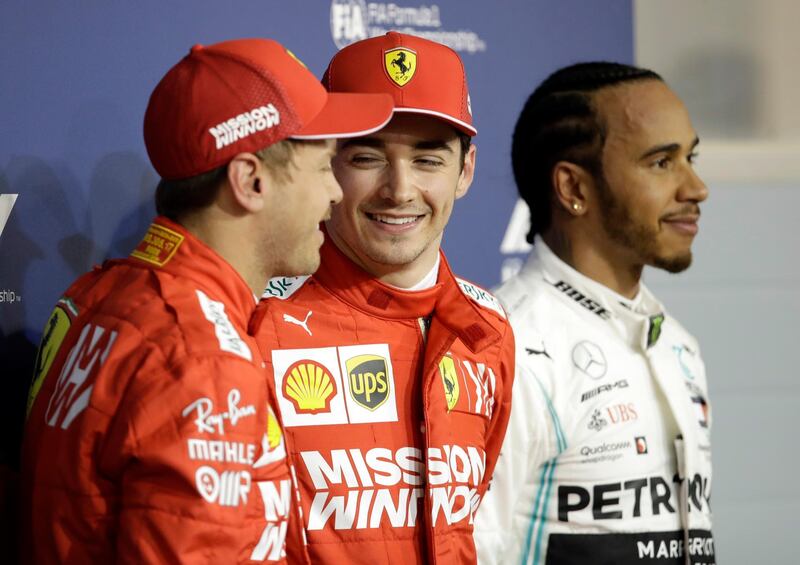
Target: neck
(595,258)
(404,275)
(229,237)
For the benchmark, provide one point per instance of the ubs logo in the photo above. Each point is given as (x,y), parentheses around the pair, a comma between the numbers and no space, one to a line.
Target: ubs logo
(368,378)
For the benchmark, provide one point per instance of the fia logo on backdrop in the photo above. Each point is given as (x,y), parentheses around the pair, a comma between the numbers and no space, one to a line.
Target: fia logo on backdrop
(354,20)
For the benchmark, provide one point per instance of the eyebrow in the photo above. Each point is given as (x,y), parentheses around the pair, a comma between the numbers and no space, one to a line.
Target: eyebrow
(425,144)
(668,148)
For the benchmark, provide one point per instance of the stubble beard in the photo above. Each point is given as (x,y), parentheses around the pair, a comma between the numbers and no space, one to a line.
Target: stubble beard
(623,228)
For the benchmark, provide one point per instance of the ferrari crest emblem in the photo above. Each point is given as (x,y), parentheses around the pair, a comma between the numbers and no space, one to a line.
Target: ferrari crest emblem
(400,64)
(447,370)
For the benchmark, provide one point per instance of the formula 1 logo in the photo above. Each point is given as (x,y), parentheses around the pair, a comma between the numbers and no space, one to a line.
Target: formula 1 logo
(6,204)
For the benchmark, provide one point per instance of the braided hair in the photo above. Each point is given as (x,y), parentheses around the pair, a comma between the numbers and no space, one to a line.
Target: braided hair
(560,123)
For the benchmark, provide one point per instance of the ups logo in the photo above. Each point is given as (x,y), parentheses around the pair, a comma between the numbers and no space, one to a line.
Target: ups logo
(369,380)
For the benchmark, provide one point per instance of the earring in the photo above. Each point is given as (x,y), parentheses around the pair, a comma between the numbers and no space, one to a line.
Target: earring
(576,206)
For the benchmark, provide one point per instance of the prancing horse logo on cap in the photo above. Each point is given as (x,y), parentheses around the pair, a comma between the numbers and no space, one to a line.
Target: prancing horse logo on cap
(400,64)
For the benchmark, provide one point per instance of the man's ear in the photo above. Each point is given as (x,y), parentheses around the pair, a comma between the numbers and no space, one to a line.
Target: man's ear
(571,183)
(248,181)
(467,172)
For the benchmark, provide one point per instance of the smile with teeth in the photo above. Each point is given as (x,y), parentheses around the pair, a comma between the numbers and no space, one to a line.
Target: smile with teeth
(393,220)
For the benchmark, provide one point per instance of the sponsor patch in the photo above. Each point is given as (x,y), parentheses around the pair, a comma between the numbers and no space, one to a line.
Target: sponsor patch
(54,332)
(368,380)
(245,124)
(158,245)
(228,488)
(589,359)
(309,386)
(335,385)
(641,445)
(481,296)
(227,335)
(366,488)
(210,421)
(273,446)
(276,496)
(400,65)
(283,287)
(447,370)
(654,331)
(76,380)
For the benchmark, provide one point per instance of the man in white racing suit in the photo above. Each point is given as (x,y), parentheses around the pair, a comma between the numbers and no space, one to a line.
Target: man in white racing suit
(607,458)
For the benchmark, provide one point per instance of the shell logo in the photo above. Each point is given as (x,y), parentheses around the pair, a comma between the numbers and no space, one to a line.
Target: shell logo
(309,386)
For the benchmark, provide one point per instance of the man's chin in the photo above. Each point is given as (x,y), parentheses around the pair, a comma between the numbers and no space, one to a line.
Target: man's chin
(674,264)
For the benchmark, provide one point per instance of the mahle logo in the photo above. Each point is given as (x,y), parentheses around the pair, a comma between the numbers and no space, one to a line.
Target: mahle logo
(369,381)
(6,204)
(348,21)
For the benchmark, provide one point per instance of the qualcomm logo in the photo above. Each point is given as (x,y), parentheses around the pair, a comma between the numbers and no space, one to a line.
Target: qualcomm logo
(6,204)
(354,20)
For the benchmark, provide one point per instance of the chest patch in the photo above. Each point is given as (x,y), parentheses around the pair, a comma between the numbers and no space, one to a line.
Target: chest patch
(481,296)
(228,337)
(352,384)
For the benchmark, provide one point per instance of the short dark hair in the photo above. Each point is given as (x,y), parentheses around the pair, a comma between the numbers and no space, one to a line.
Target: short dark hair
(559,122)
(465,141)
(177,198)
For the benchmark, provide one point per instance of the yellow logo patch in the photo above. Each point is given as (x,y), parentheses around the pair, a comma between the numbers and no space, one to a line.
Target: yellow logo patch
(447,369)
(400,64)
(309,386)
(54,332)
(274,433)
(369,380)
(158,245)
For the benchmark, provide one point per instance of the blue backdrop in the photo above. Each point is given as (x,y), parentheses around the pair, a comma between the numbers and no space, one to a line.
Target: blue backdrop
(76,77)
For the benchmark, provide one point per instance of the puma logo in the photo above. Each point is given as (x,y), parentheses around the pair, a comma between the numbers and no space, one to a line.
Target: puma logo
(541,351)
(304,324)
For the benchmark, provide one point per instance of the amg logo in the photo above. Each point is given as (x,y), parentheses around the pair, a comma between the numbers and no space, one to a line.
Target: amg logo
(245,124)
(603,388)
(582,299)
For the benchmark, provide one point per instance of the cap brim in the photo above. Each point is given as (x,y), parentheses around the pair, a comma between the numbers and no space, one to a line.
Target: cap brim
(349,115)
(456,123)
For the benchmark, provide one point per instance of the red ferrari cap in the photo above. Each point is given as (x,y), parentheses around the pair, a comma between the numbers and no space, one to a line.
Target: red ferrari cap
(422,76)
(242,96)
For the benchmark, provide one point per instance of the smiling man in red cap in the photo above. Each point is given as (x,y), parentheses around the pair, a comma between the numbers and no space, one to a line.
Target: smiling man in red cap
(393,377)
(151,436)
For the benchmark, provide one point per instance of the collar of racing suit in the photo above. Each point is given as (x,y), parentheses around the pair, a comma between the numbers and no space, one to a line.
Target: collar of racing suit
(632,319)
(198,262)
(445,301)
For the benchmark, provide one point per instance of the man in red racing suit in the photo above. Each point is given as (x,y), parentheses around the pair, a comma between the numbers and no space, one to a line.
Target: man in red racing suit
(151,436)
(392,376)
